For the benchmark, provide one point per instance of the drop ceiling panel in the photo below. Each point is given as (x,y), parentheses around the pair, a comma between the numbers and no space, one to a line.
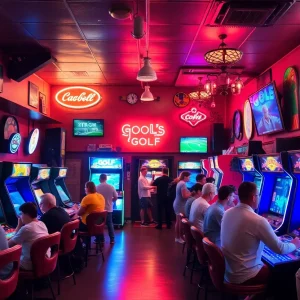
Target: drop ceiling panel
(65,46)
(166,46)
(38,12)
(46,74)
(107,32)
(51,31)
(129,46)
(120,75)
(97,13)
(173,32)
(73,57)
(66,81)
(78,67)
(122,58)
(119,68)
(52,67)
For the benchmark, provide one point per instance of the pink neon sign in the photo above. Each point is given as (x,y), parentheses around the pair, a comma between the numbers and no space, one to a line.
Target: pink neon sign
(145,135)
(193,117)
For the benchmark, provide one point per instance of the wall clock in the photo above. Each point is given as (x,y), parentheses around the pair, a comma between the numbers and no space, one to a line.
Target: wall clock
(181,100)
(132,98)
(237,125)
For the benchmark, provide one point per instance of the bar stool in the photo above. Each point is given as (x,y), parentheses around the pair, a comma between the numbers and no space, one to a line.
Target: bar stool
(95,222)
(190,244)
(216,267)
(7,256)
(69,234)
(42,265)
(202,258)
(182,216)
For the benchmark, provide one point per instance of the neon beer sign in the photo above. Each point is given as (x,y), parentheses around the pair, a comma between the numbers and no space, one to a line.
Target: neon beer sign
(193,117)
(146,135)
(77,97)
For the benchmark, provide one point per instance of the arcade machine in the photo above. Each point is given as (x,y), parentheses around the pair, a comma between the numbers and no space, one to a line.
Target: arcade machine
(15,189)
(154,167)
(9,231)
(277,191)
(194,167)
(216,173)
(205,166)
(59,189)
(113,168)
(248,167)
(39,178)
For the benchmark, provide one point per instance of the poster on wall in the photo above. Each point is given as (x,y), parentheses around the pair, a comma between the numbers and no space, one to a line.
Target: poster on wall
(290,101)
(43,103)
(248,122)
(33,95)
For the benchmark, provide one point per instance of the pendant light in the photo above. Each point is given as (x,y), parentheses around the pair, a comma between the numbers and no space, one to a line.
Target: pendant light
(146,73)
(147,95)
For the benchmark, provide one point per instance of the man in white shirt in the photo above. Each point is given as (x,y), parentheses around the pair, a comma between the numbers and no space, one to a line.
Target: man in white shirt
(145,196)
(110,195)
(243,236)
(201,204)
(29,229)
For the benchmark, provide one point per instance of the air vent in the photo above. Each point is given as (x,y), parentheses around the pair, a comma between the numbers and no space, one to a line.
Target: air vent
(247,13)
(80,74)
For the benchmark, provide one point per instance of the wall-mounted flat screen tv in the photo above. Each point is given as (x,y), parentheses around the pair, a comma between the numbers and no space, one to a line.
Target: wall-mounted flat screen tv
(88,127)
(193,145)
(266,110)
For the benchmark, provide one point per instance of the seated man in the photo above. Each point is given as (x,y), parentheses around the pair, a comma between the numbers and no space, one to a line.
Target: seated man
(54,217)
(243,236)
(200,205)
(196,192)
(29,229)
(214,214)
(201,179)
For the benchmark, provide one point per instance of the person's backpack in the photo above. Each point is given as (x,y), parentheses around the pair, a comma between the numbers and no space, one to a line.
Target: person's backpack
(172,190)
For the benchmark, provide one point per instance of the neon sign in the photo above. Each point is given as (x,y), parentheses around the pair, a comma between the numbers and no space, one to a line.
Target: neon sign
(193,117)
(14,142)
(106,163)
(77,97)
(146,135)
(33,141)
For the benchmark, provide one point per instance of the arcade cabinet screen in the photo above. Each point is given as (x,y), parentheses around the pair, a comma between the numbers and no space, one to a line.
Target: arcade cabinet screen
(17,200)
(112,179)
(43,174)
(280,195)
(246,164)
(258,182)
(266,110)
(90,128)
(193,145)
(63,196)
(192,181)
(38,193)
(21,170)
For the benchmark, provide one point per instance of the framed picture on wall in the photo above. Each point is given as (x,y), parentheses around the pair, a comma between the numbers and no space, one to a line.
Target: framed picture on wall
(264,79)
(290,99)
(33,95)
(43,103)
(237,125)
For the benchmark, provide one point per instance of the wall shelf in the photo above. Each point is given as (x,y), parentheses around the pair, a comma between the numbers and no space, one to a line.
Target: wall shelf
(17,110)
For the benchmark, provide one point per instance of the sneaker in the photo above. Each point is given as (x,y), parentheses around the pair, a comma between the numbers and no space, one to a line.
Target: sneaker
(180,241)
(144,224)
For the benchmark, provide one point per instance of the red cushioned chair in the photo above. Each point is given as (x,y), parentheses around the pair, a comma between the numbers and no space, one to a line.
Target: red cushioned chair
(42,265)
(183,216)
(190,245)
(95,222)
(8,285)
(202,257)
(68,240)
(216,267)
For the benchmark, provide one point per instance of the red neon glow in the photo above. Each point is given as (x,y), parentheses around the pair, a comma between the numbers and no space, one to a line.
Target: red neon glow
(193,117)
(145,135)
(77,97)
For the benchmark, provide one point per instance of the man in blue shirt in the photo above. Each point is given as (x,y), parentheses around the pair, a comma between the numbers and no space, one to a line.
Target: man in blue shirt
(214,214)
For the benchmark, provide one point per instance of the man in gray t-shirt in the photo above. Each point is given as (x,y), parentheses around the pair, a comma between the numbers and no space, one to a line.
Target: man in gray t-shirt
(110,195)
(214,214)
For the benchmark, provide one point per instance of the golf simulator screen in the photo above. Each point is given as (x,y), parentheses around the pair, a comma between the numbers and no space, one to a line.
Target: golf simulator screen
(193,145)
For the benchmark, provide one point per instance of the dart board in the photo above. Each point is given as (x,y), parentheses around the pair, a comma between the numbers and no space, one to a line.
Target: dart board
(10,126)
(181,100)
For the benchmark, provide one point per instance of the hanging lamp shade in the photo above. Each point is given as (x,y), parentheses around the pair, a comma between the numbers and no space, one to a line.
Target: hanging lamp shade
(146,73)
(147,95)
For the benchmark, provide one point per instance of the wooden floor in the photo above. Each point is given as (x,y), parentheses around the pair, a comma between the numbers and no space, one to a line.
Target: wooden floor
(144,264)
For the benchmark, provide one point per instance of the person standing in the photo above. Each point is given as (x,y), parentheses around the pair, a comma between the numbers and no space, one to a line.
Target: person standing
(110,195)
(163,201)
(145,197)
(182,194)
